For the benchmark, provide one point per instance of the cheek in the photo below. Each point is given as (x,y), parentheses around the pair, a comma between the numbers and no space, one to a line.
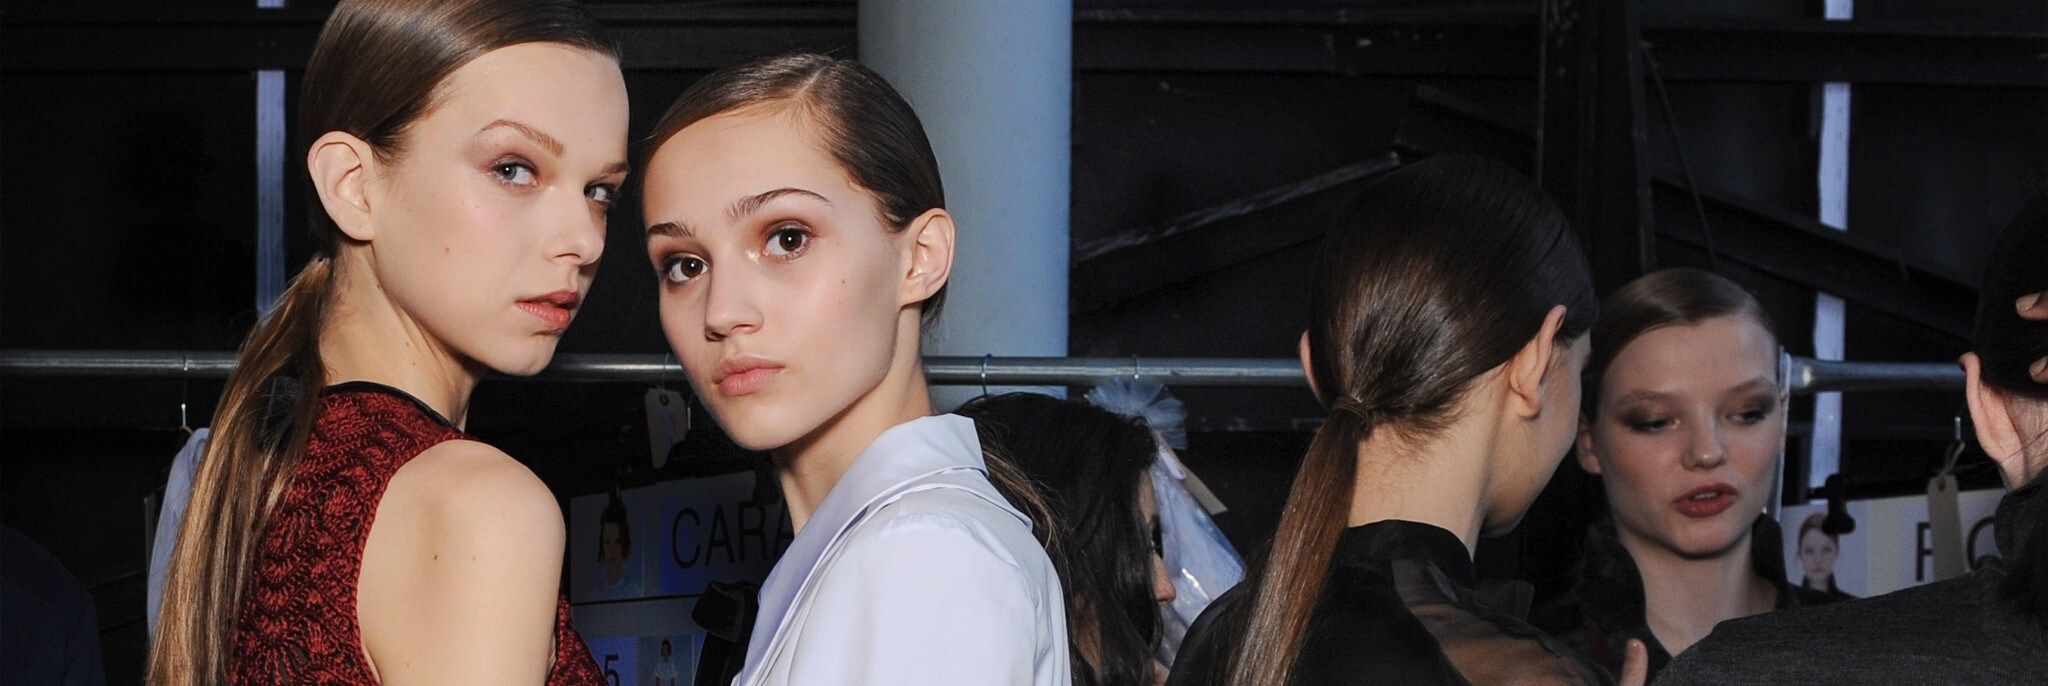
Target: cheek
(1754,454)
(1629,461)
(456,235)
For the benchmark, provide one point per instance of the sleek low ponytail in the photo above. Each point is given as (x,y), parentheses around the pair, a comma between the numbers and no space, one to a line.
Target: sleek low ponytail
(1439,273)
(243,472)
(376,68)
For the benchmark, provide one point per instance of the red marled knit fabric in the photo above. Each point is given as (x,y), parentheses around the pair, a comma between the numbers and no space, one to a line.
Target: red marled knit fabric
(298,621)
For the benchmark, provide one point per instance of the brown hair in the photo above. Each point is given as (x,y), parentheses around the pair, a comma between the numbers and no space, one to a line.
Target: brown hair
(1813,523)
(1663,298)
(1439,273)
(867,127)
(376,68)
(860,120)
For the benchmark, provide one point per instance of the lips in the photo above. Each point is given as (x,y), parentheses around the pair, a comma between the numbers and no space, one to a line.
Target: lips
(1705,501)
(554,309)
(744,375)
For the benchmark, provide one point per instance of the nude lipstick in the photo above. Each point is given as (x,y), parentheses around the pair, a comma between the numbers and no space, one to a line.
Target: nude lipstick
(744,375)
(554,309)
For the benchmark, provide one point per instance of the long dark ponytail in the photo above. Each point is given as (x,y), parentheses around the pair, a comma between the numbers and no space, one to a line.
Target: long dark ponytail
(1441,272)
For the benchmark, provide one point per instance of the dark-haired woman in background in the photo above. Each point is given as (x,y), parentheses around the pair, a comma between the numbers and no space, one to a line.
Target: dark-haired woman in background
(1447,335)
(1986,627)
(464,156)
(1684,421)
(1090,465)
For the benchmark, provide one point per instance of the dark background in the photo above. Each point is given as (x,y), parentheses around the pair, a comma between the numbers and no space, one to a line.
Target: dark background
(128,210)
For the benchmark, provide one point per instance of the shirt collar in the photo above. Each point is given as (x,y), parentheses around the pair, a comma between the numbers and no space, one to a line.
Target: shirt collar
(1375,545)
(900,456)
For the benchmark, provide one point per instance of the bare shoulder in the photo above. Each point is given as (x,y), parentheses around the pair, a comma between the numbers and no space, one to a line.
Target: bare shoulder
(465,489)
(461,571)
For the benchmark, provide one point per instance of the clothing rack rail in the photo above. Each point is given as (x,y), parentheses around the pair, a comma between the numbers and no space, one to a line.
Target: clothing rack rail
(1804,375)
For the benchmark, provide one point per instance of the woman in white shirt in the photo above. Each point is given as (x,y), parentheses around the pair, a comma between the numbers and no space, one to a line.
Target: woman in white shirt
(796,221)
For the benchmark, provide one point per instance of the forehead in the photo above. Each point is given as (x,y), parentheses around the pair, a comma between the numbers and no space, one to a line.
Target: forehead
(576,95)
(696,173)
(1709,355)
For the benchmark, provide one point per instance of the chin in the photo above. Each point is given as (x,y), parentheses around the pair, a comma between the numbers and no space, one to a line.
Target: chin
(1707,539)
(759,428)
(525,358)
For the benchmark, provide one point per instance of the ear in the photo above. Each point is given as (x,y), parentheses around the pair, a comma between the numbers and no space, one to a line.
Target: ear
(1308,366)
(341,167)
(1530,368)
(1991,411)
(931,255)
(1588,460)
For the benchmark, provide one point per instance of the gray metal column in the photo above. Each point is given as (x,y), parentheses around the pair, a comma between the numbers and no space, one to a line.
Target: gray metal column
(993,84)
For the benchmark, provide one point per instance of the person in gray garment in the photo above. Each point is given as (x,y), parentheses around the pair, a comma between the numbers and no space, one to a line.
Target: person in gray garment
(1986,627)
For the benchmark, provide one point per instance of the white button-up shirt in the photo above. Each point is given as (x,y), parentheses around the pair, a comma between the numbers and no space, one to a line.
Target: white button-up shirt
(914,570)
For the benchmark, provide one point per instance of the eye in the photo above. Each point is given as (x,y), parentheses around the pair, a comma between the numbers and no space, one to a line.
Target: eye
(1649,425)
(681,268)
(515,173)
(788,241)
(602,194)
(1753,416)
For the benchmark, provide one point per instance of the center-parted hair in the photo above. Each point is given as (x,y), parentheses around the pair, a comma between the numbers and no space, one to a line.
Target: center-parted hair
(1440,272)
(1668,297)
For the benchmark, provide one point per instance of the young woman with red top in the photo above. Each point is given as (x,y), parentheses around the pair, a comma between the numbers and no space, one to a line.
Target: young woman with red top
(463,156)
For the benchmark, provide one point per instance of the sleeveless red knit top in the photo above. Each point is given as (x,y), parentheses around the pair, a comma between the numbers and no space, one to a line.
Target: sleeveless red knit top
(298,621)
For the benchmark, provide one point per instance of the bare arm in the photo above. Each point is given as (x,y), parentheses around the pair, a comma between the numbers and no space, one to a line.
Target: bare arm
(462,571)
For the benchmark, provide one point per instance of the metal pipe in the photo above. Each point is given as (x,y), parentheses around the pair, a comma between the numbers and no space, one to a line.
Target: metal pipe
(1806,375)
(1821,376)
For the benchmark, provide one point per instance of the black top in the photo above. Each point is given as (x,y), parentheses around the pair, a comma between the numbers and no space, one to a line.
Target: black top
(1605,608)
(1957,631)
(1402,605)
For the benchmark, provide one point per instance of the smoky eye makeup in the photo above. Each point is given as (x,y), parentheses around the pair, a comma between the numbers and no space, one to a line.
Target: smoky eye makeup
(1643,420)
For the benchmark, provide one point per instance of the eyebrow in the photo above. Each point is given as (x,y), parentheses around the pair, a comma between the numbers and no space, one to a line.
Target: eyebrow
(747,205)
(538,136)
(1756,384)
(672,230)
(740,208)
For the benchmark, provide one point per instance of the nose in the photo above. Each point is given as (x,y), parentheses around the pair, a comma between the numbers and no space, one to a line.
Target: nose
(1162,584)
(728,303)
(1707,450)
(579,236)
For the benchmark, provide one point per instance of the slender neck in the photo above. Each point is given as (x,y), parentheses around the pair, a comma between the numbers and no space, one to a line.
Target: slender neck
(1443,482)
(810,467)
(1683,598)
(367,337)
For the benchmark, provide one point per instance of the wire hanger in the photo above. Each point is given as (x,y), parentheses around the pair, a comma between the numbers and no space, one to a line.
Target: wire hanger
(984,373)
(185,393)
(1955,449)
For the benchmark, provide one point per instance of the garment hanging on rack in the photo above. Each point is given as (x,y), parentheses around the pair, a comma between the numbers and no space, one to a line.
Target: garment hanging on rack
(177,492)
